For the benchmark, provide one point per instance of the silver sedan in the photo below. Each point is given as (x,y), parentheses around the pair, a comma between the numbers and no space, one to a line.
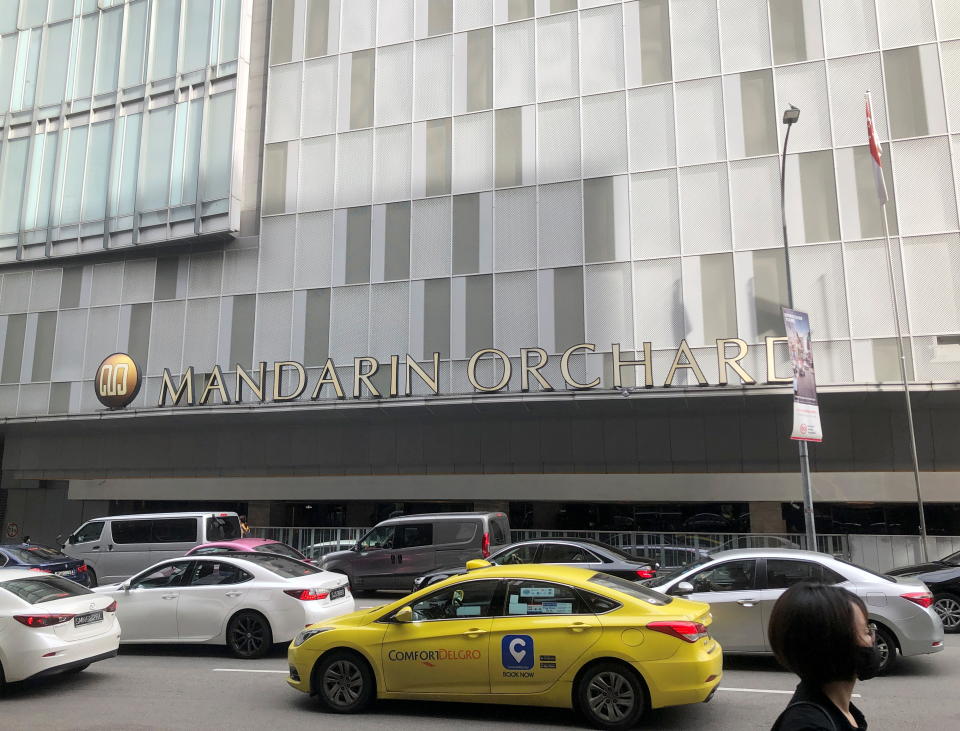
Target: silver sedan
(741,587)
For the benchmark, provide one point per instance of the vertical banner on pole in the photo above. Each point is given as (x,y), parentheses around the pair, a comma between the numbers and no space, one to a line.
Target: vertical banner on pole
(806,412)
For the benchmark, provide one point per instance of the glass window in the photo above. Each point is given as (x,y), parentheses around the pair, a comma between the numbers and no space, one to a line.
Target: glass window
(218,148)
(509,147)
(439,150)
(541,597)
(655,64)
(54,78)
(32,12)
(631,589)
(515,555)
(439,17)
(519,9)
(13,348)
(729,576)
(87,56)
(478,295)
(129,160)
(719,299)
(96,177)
(168,575)
(134,45)
(87,533)
(479,69)
(241,333)
(13,170)
(452,531)
(196,37)
(281,31)
(186,152)
(43,346)
(154,188)
(280,565)
(796,30)
(223,528)
(8,16)
(396,263)
(108,53)
(466,233)
(131,531)
(318,28)
(600,222)
(568,315)
(759,119)
(599,604)
(36,212)
(70,185)
(8,56)
(281,549)
(230,31)
(499,530)
(357,264)
(28,63)
(562,553)
(43,589)
(214,573)
(165,38)
(362,84)
(465,599)
(436,318)
(818,189)
(382,537)
(317,327)
(174,530)
(411,536)
(559,6)
(275,163)
(769,290)
(914,91)
(784,573)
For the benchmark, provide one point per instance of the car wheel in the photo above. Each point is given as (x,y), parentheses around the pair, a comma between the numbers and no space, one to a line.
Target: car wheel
(249,635)
(887,645)
(948,607)
(344,683)
(610,696)
(93,577)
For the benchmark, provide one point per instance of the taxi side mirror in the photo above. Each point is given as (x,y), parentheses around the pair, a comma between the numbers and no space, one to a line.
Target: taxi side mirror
(404,614)
(683,589)
(478,563)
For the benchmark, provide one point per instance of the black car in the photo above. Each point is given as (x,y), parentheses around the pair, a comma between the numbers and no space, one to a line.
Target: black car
(943,579)
(584,553)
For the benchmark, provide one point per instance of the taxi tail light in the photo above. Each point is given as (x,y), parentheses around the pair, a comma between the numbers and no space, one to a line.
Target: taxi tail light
(112,607)
(42,620)
(686,631)
(923,598)
(646,573)
(306,595)
(485,545)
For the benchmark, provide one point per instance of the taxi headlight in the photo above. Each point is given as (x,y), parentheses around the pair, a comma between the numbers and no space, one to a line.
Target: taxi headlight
(305,634)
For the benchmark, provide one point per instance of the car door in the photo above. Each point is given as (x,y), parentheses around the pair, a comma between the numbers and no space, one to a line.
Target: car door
(730,588)
(84,544)
(147,611)
(413,554)
(374,561)
(568,554)
(445,648)
(781,574)
(544,629)
(524,553)
(208,597)
(125,549)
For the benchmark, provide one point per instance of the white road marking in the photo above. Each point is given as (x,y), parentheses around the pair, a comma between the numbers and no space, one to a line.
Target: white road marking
(763,690)
(245,670)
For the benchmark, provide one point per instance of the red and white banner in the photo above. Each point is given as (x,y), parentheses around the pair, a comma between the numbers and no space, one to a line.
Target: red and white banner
(876,154)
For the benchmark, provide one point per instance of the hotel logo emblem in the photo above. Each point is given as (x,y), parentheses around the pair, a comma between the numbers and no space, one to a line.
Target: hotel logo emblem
(118,381)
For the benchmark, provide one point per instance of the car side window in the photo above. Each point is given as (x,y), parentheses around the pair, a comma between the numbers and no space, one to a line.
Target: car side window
(831,577)
(451,531)
(3,560)
(413,535)
(165,576)
(784,573)
(89,532)
(729,576)
(215,573)
(381,537)
(562,553)
(175,530)
(132,531)
(464,599)
(520,554)
(542,597)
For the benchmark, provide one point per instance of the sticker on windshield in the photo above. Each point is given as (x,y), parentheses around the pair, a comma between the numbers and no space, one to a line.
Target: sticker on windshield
(538,591)
(517,652)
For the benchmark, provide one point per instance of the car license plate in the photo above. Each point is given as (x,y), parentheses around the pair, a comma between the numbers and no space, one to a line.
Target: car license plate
(90,618)
(69,572)
(338,593)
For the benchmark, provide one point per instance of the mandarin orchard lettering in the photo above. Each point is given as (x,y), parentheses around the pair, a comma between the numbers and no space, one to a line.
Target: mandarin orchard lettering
(252,385)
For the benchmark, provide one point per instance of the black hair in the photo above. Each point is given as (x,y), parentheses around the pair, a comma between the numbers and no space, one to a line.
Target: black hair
(813,632)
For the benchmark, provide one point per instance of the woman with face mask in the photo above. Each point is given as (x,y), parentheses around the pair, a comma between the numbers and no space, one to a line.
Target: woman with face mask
(823,634)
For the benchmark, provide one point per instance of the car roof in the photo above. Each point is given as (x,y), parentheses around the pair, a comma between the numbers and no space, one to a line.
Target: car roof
(771,553)
(239,542)
(544,572)
(193,514)
(439,516)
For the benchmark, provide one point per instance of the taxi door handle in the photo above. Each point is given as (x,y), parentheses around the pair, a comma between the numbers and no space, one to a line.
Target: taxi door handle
(579,626)
(474,632)
(746,602)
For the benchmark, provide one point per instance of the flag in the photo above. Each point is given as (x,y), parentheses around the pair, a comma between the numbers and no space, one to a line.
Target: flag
(876,155)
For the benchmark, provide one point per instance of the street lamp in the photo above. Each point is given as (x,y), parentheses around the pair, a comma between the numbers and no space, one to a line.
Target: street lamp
(790,118)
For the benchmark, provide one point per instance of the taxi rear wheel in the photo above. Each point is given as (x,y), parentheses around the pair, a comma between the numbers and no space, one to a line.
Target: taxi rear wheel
(610,696)
(344,682)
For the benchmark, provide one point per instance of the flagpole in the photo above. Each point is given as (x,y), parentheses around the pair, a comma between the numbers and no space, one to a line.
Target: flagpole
(902,360)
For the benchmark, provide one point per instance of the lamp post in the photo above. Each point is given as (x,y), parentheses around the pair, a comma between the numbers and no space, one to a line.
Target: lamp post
(790,118)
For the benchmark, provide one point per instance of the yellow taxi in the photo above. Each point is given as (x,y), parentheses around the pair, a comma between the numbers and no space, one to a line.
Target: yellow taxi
(526,635)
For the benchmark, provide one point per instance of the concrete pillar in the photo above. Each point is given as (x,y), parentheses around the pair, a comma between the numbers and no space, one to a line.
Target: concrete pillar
(264,513)
(766,517)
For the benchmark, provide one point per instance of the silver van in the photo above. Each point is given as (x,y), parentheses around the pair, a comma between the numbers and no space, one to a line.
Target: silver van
(119,546)
(398,550)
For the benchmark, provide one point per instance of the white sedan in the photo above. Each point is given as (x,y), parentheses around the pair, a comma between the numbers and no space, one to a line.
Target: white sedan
(247,601)
(50,625)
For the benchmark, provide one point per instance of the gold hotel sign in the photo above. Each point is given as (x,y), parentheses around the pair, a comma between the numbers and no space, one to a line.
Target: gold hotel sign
(118,378)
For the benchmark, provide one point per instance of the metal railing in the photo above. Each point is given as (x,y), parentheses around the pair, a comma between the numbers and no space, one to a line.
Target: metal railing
(882,553)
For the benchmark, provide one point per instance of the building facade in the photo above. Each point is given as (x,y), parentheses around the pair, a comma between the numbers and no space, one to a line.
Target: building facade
(512,253)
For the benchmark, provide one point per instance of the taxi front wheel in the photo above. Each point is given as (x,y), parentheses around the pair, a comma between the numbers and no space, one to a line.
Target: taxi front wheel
(610,696)
(344,683)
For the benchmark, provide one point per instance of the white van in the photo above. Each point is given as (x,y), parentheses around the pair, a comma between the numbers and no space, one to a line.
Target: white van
(117,547)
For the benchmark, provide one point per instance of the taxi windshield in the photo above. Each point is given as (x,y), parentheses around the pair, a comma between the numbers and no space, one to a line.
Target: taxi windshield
(631,589)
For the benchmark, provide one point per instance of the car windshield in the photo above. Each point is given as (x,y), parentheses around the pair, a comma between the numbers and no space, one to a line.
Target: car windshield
(281,549)
(953,559)
(280,565)
(631,589)
(37,590)
(34,554)
(663,576)
(618,552)
(223,528)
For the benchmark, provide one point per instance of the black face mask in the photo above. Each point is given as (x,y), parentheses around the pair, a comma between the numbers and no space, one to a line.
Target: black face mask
(867,662)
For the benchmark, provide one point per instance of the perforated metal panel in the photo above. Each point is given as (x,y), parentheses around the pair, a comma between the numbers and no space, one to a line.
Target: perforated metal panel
(905,22)
(283,111)
(696,39)
(655,214)
(354,168)
(473,152)
(700,136)
(658,302)
(515,311)
(319,97)
(604,134)
(316,188)
(392,154)
(652,131)
(950,61)
(394,102)
(273,327)
(834,363)
(514,81)
(349,323)
(818,285)
(34,399)
(870,303)
(850,26)
(433,78)
(704,209)
(107,284)
(469,14)
(601,49)
(314,250)
(430,230)
(926,198)
(936,362)
(558,64)
(45,289)
(358,24)
(948,18)
(515,213)
(755,200)
(206,273)
(202,331)
(102,336)
(744,34)
(608,303)
(68,347)
(240,271)
(394,21)
(932,265)
(139,279)
(389,321)
(277,246)
(561,225)
(558,141)
(166,338)
(849,79)
(805,86)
